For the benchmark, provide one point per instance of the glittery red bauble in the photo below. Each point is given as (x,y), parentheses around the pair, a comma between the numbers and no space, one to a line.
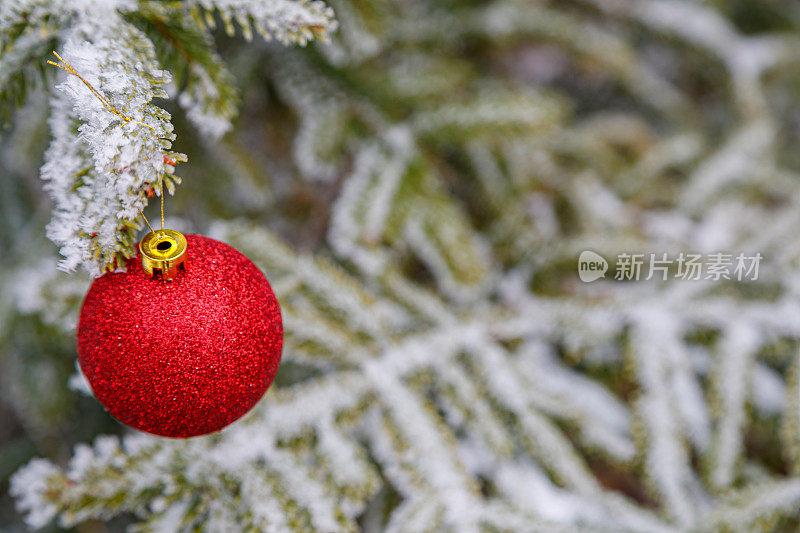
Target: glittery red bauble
(184,357)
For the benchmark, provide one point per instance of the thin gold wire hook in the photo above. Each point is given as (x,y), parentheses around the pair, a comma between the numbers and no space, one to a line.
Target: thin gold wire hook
(64,65)
(146,222)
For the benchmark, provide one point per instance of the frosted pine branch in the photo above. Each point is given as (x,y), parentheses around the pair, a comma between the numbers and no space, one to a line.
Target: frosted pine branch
(102,165)
(112,161)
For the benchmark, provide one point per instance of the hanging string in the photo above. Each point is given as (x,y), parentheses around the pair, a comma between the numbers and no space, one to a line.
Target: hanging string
(64,65)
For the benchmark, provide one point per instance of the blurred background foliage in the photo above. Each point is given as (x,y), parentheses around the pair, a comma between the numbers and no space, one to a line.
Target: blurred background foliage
(542,128)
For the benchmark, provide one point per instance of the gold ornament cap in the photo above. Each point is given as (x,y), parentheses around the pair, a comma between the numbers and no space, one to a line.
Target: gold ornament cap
(163,253)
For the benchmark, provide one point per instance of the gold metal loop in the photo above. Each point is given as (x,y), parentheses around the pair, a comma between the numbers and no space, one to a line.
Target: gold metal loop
(163,252)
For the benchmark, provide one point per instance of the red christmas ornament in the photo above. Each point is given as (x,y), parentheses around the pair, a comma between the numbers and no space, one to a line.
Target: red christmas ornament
(185,356)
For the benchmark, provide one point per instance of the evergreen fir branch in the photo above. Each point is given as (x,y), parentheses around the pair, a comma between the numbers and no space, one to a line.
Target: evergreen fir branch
(359,25)
(101,483)
(730,388)
(185,48)
(22,68)
(666,456)
(287,21)
(98,173)
(489,114)
(790,429)
(398,205)
(755,508)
